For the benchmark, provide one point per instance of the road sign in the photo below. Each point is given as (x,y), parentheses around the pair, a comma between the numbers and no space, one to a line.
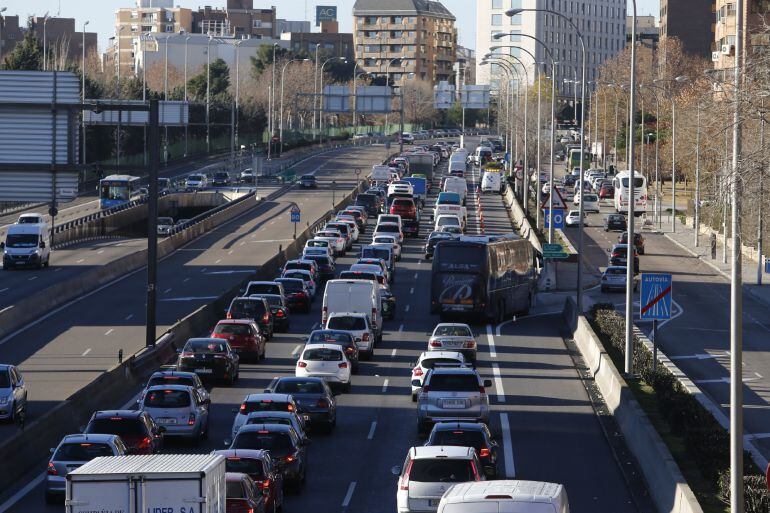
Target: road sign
(655,297)
(554,251)
(558,218)
(358,171)
(558,201)
(553,247)
(295,214)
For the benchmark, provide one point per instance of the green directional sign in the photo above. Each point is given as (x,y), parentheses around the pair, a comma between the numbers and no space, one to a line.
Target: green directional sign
(558,256)
(552,248)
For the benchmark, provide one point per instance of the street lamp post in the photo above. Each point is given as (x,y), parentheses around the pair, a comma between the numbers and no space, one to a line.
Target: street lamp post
(315,87)
(271,108)
(186,132)
(45,43)
(321,89)
(387,82)
(165,98)
(629,363)
(696,221)
(280,123)
(238,92)
(83,88)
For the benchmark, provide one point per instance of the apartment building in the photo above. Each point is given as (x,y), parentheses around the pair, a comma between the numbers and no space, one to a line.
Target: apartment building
(405,39)
(754,40)
(63,43)
(602,23)
(691,22)
(238,19)
(329,41)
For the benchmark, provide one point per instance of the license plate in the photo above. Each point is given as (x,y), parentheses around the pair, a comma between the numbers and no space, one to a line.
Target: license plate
(166,420)
(453,403)
(451,343)
(433,502)
(204,371)
(306,417)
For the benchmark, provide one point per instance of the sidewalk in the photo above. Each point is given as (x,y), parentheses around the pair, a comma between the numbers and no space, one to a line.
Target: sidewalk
(685,239)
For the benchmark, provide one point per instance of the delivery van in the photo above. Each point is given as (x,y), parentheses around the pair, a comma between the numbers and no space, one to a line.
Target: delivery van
(491,182)
(456,185)
(357,296)
(26,245)
(504,496)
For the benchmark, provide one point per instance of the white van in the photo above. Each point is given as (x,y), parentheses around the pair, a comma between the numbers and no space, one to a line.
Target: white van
(460,153)
(380,174)
(482,154)
(457,166)
(26,245)
(491,182)
(504,496)
(357,296)
(456,185)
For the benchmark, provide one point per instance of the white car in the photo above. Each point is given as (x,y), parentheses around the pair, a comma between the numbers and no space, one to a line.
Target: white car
(427,361)
(327,361)
(590,202)
(389,229)
(335,238)
(505,496)
(429,471)
(390,218)
(358,325)
(165,225)
(450,336)
(573,218)
(447,220)
(389,241)
(196,181)
(319,243)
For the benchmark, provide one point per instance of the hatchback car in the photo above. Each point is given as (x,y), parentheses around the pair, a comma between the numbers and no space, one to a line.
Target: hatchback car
(619,256)
(428,472)
(221,179)
(614,278)
(288,450)
(573,218)
(279,308)
(345,339)
(314,399)
(211,358)
(293,419)
(325,361)
(371,202)
(468,434)
(179,409)
(452,393)
(614,222)
(262,402)
(358,325)
(308,182)
(606,192)
(165,225)
(429,360)
(389,241)
(72,452)
(242,494)
(258,465)
(298,296)
(305,276)
(174,377)
(257,288)
(255,309)
(391,229)
(448,336)
(136,429)
(433,239)
(13,393)
(244,337)
(325,264)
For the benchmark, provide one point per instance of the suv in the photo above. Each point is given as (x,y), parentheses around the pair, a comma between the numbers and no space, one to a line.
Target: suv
(429,471)
(452,393)
(210,357)
(74,451)
(371,202)
(221,179)
(136,428)
(358,325)
(619,256)
(13,393)
(308,182)
(468,434)
(244,337)
(638,241)
(180,409)
(258,465)
(314,399)
(288,450)
(253,308)
(614,222)
(262,402)
(258,288)
(410,218)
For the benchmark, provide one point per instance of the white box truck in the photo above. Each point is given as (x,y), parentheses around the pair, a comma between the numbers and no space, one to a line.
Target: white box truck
(158,483)
(357,296)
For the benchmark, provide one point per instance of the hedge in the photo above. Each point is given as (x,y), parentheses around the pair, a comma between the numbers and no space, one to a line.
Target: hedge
(705,441)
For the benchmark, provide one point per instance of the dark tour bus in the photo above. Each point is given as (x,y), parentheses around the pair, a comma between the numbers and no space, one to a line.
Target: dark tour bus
(493,279)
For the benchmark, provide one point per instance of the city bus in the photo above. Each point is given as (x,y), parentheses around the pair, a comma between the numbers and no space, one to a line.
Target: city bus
(490,280)
(573,159)
(116,190)
(621,184)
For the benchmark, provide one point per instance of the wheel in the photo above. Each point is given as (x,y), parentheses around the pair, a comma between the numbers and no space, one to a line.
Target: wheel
(348,386)
(414,398)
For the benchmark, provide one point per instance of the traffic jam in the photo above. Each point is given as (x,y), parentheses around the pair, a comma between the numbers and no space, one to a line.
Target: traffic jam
(339,300)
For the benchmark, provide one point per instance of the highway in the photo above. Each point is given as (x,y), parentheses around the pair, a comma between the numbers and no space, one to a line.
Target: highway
(542,415)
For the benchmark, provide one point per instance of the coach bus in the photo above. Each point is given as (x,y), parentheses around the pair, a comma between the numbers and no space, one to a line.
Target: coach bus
(622,193)
(116,190)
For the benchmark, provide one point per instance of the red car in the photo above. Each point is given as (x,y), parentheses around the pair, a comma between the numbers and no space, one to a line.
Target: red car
(244,337)
(607,192)
(243,495)
(258,465)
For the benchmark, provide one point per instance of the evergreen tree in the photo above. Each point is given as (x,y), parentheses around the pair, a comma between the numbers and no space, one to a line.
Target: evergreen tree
(27,55)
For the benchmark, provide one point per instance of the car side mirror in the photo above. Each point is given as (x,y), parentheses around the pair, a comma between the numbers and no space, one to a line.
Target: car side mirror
(487,383)
(81,429)
(395,470)
(416,383)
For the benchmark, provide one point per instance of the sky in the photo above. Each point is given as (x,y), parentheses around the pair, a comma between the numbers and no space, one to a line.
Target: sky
(101,13)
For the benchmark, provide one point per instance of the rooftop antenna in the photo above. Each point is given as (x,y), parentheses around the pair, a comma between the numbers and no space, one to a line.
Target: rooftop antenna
(58,10)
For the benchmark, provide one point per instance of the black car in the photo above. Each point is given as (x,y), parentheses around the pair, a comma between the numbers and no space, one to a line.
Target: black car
(313,396)
(297,293)
(638,241)
(619,256)
(371,202)
(256,309)
(433,239)
(288,450)
(468,434)
(614,222)
(221,179)
(308,182)
(341,338)
(279,308)
(325,266)
(569,181)
(136,428)
(209,358)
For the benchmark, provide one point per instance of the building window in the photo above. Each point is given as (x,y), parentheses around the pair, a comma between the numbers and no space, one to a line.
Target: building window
(497,20)
(169,28)
(497,4)
(256,24)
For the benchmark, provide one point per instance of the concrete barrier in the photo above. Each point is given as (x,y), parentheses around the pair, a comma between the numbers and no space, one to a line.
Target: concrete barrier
(517,214)
(668,488)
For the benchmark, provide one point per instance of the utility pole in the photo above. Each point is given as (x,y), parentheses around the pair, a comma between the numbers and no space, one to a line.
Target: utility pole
(696,222)
(152,224)
(760,210)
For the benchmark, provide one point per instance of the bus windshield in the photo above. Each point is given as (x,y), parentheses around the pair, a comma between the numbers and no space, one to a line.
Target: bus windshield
(638,182)
(115,191)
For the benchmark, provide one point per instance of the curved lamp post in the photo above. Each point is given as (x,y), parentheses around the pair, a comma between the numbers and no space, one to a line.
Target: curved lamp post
(280,122)
(321,90)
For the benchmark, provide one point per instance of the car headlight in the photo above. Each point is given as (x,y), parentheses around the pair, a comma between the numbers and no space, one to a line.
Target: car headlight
(4,400)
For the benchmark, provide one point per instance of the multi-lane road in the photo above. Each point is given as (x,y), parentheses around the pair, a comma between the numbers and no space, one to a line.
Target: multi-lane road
(542,416)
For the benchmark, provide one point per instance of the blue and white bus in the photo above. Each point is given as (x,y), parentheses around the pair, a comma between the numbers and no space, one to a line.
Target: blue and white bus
(117,190)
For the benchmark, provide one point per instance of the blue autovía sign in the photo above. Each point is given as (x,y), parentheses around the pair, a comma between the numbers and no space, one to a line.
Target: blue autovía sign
(325,13)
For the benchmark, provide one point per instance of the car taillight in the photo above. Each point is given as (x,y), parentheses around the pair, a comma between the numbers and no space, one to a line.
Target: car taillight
(229,315)
(145,443)
(266,318)
(243,409)
(289,407)
(403,483)
(435,343)
(279,313)
(301,365)
(343,365)
(482,390)
(265,484)
(349,350)
(324,313)
(469,344)
(289,458)
(374,316)
(51,470)
(417,371)
(191,420)
(475,470)
(425,389)
(322,403)
(186,355)
(365,338)
(484,452)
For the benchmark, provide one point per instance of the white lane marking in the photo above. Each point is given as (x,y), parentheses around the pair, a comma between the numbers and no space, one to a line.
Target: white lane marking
(21,493)
(371,430)
(491,341)
(407,307)
(190,298)
(32,278)
(218,261)
(236,271)
(79,261)
(349,495)
(167,290)
(393,353)
(750,436)
(385,386)
(498,383)
(721,380)
(86,352)
(100,252)
(108,331)
(701,356)
(271,222)
(6,288)
(186,280)
(411,291)
(296,350)
(272,240)
(230,252)
(7,308)
(243,243)
(203,270)
(315,326)
(57,269)
(401,328)
(758,375)
(510,468)
(416,275)
(129,316)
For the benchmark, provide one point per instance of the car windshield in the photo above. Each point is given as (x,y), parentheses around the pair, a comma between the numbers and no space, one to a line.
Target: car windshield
(334,337)
(82,452)
(306,266)
(429,363)
(165,220)
(5,379)
(232,329)
(21,240)
(123,427)
(458,437)
(171,380)
(167,399)
(235,490)
(323,355)
(454,383)
(262,288)
(205,346)
(441,470)
(452,331)
(221,175)
(347,323)
(247,309)
(195,178)
(277,443)
(291,386)
(313,243)
(248,466)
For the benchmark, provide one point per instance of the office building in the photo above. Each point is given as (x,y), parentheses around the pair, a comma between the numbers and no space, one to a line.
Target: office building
(647,31)
(466,64)
(405,39)
(330,42)
(64,44)
(238,19)
(291,26)
(602,23)
(691,22)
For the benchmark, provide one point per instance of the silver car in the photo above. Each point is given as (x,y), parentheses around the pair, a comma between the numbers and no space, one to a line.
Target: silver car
(72,452)
(452,393)
(178,408)
(175,377)
(614,278)
(165,225)
(13,393)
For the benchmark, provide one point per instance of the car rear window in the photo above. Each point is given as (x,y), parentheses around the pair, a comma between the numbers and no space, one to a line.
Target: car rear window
(123,427)
(299,387)
(82,452)
(171,380)
(167,399)
(459,437)
(247,309)
(380,253)
(430,363)
(384,240)
(347,323)
(235,490)
(322,355)
(249,466)
(321,259)
(266,419)
(262,288)
(357,275)
(454,383)
(365,199)
(232,329)
(277,443)
(403,203)
(292,286)
(452,331)
(617,271)
(306,266)
(441,470)
(388,228)
(266,405)
(323,337)
(204,346)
